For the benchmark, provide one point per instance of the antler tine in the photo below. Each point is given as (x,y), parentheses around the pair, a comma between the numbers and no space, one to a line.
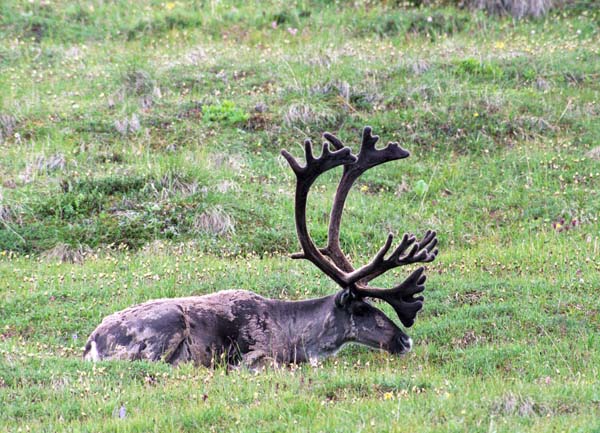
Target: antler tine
(335,142)
(369,156)
(402,297)
(421,252)
(305,177)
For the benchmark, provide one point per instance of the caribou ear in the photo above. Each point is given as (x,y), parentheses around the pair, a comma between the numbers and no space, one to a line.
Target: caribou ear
(343,298)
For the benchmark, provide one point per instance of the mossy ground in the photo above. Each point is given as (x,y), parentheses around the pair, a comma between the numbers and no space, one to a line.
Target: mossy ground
(140,159)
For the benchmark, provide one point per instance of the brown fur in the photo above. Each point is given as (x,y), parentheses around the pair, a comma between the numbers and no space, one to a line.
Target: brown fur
(237,326)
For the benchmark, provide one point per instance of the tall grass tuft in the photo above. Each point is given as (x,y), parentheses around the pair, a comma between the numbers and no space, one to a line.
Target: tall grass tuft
(7,126)
(215,221)
(64,253)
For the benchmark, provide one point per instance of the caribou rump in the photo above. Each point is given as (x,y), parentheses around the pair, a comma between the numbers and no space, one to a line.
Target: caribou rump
(240,327)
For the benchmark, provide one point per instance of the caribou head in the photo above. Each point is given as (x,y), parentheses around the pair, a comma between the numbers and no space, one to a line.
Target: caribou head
(240,326)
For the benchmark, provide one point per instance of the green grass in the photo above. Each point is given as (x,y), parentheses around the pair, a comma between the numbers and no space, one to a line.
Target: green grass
(140,159)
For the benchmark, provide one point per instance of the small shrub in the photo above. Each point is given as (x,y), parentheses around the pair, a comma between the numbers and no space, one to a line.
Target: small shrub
(38,28)
(106,186)
(421,187)
(477,68)
(226,113)
(430,24)
(71,205)
(163,23)
(289,17)
(437,23)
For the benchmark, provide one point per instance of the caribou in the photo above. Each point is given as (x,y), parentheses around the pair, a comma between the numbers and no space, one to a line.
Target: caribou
(239,327)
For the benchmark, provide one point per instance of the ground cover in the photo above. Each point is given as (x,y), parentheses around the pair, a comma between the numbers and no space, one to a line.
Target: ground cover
(140,159)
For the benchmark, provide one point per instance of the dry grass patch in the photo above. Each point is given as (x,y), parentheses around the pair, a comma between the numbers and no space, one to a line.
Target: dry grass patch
(227,161)
(138,83)
(594,153)
(68,254)
(8,123)
(215,221)
(515,8)
(128,125)
(171,185)
(304,115)
(43,165)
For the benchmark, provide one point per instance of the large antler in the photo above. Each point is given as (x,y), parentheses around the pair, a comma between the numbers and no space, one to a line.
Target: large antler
(369,157)
(331,259)
(305,176)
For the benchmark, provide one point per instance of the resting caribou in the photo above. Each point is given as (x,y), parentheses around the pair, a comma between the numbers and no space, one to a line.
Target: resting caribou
(238,326)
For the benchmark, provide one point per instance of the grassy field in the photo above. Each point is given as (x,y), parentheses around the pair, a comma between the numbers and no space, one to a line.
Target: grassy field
(140,159)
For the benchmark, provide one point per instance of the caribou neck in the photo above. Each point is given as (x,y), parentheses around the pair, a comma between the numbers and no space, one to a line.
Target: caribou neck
(312,327)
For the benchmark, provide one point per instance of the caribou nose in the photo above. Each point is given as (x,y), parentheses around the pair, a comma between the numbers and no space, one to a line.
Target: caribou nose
(408,343)
(402,344)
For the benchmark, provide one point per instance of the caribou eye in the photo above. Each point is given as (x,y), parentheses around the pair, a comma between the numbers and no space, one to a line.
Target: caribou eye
(343,298)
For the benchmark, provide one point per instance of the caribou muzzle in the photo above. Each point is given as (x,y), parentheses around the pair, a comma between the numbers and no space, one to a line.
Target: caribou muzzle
(400,345)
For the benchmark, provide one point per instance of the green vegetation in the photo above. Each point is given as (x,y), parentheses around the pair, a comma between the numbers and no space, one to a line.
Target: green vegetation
(140,159)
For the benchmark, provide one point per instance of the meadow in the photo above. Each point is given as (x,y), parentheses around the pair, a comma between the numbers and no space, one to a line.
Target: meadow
(140,158)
